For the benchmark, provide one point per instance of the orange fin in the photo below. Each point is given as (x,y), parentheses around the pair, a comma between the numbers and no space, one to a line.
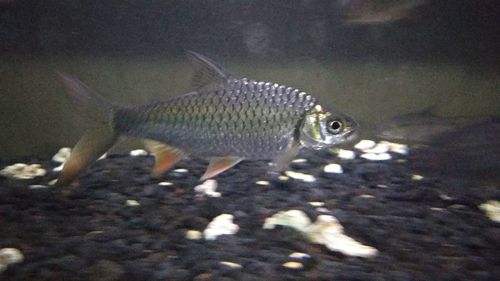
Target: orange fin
(218,165)
(165,156)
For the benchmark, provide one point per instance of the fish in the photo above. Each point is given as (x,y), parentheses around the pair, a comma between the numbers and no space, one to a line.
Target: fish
(371,12)
(469,153)
(423,127)
(224,119)
(466,148)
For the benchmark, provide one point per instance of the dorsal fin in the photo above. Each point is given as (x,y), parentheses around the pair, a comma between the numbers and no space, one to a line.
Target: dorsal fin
(206,72)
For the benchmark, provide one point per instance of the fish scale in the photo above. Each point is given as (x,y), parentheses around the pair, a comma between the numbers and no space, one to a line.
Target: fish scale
(209,118)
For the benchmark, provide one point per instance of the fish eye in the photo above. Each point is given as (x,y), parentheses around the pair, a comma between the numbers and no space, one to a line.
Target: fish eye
(335,126)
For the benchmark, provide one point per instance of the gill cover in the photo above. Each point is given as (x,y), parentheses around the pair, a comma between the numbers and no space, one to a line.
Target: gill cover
(322,129)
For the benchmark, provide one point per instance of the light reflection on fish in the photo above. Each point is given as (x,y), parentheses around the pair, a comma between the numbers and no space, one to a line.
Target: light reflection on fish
(225,120)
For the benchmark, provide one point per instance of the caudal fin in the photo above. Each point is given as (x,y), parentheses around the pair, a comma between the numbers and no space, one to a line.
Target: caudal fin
(97,140)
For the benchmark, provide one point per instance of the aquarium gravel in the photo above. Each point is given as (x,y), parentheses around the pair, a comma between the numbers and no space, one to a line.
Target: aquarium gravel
(117,222)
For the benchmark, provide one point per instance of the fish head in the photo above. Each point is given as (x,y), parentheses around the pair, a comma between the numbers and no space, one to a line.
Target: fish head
(325,128)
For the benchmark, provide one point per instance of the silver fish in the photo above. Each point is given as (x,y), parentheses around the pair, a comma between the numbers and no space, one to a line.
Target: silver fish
(225,120)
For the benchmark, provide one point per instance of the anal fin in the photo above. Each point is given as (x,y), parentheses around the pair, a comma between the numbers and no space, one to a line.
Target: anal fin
(218,165)
(165,156)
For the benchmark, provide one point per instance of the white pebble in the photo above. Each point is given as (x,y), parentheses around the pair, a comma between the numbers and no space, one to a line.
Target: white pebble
(296,219)
(231,264)
(180,170)
(194,235)
(325,230)
(445,197)
(317,204)
(283,178)
(376,156)
(299,160)
(293,265)
(138,152)
(366,196)
(492,209)
(333,168)
(165,183)
(379,148)
(365,144)
(328,231)
(132,203)
(52,182)
(62,155)
(298,255)
(103,156)
(10,256)
(220,225)
(300,176)
(23,171)
(19,166)
(322,210)
(207,188)
(397,147)
(346,154)
(417,177)
(58,168)
(262,182)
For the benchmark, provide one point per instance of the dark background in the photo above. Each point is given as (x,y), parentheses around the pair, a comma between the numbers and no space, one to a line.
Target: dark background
(463,31)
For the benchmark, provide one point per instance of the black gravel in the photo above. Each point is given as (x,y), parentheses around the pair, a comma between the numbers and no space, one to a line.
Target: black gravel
(424,230)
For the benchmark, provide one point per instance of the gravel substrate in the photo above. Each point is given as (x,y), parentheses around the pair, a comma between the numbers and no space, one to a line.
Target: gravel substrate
(423,228)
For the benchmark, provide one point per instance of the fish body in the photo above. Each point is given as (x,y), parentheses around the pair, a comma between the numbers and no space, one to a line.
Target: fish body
(370,12)
(225,119)
(463,148)
(424,127)
(251,119)
(469,153)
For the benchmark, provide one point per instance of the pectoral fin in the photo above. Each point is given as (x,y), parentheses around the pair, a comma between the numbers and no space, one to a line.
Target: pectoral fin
(165,156)
(281,162)
(218,165)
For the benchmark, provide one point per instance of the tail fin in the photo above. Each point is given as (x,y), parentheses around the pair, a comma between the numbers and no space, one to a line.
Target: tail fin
(98,139)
